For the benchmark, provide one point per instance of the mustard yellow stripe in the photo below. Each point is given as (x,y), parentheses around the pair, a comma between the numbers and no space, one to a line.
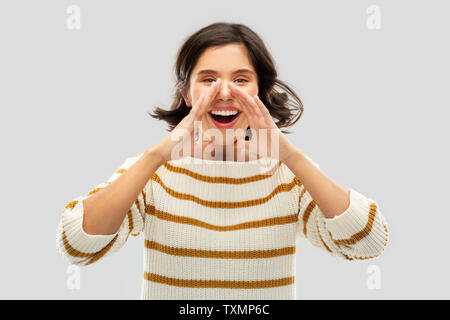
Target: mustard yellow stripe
(79,254)
(371,257)
(94,191)
(138,205)
(71,204)
(198,223)
(340,250)
(261,284)
(227,180)
(387,235)
(363,233)
(143,197)
(97,189)
(71,250)
(120,170)
(346,256)
(297,182)
(320,237)
(309,209)
(331,237)
(198,253)
(130,221)
(301,194)
(283,187)
(102,252)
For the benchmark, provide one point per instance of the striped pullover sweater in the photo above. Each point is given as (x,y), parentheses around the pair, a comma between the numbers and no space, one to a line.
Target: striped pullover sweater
(224,229)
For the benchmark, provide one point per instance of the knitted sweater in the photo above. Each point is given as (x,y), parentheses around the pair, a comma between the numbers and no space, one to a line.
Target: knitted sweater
(224,229)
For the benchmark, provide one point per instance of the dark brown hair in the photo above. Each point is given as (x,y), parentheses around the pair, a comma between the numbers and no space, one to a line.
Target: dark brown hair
(285,106)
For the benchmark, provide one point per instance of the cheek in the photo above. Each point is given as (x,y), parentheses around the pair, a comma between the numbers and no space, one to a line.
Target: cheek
(252,89)
(196,91)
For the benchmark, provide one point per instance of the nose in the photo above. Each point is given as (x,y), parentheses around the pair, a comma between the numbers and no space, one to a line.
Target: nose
(224,92)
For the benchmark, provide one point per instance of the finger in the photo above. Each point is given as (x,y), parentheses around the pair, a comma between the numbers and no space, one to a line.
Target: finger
(245,108)
(200,107)
(246,111)
(235,92)
(196,106)
(204,100)
(265,113)
(210,95)
(252,117)
(250,102)
(261,106)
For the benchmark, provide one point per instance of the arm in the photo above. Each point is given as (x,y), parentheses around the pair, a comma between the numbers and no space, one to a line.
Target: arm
(105,210)
(100,222)
(331,198)
(340,221)
(352,227)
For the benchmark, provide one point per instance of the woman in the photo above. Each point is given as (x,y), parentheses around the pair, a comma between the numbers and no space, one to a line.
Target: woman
(221,221)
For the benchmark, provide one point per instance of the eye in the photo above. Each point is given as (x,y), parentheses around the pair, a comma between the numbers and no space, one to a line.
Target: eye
(240,80)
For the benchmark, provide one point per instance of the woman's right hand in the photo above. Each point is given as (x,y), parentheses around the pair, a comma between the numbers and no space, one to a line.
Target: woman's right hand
(184,133)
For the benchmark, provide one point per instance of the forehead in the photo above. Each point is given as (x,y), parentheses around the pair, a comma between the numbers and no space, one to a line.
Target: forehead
(226,58)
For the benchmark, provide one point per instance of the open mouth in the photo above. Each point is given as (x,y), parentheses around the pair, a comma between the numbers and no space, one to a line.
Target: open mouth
(224,119)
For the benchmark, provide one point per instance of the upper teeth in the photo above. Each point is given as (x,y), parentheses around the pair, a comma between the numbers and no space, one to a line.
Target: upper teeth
(224,113)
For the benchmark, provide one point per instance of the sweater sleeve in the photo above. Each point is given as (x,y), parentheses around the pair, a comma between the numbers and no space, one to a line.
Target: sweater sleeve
(80,248)
(360,232)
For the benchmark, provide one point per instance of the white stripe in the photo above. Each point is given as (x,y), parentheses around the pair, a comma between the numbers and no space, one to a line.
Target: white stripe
(157,291)
(222,191)
(218,269)
(187,236)
(281,204)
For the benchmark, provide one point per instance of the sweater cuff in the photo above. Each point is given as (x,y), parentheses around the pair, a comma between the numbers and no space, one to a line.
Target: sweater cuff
(77,238)
(352,220)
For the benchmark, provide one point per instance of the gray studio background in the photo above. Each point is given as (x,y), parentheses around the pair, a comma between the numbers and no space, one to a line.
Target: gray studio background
(74,102)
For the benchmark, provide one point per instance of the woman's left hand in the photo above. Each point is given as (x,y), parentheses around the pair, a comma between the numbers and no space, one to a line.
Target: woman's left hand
(274,143)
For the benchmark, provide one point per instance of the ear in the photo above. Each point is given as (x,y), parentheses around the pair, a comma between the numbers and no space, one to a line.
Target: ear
(186,99)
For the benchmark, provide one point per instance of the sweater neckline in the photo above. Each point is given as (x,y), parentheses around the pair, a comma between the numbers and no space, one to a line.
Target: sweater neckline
(193,160)
(223,168)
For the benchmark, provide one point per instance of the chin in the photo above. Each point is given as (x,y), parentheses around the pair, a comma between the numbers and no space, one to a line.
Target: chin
(238,131)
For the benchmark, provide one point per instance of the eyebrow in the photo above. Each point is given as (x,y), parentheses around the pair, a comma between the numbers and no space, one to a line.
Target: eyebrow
(210,71)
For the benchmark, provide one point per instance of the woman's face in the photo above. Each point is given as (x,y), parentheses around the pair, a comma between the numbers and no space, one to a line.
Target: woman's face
(229,63)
